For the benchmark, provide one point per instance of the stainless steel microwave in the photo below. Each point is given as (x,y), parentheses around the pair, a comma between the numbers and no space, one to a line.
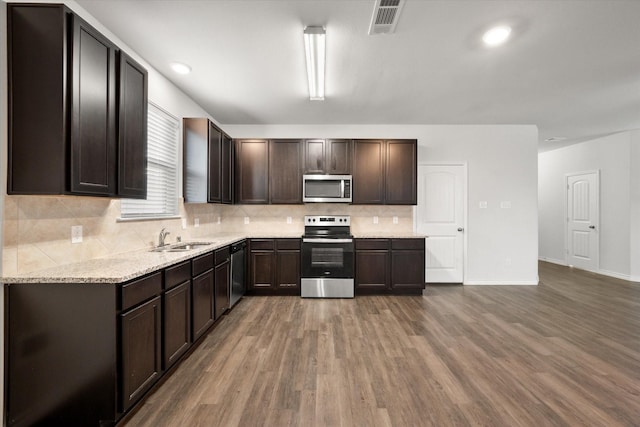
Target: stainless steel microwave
(326,188)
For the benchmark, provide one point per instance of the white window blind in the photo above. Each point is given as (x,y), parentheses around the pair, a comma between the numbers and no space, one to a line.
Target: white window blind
(162,169)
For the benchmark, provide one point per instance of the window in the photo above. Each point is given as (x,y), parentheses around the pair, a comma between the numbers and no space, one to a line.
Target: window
(162,169)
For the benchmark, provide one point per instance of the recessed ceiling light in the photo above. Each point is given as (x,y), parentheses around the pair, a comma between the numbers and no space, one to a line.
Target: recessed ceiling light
(180,68)
(496,35)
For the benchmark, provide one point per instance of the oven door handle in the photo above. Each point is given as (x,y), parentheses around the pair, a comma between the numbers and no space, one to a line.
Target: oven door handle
(320,240)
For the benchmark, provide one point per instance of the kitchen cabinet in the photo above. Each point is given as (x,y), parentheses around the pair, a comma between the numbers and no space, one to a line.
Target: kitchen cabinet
(407,264)
(389,266)
(207,162)
(252,171)
(385,172)
(65,125)
(368,172)
(177,312)
(401,172)
(141,350)
(132,129)
(285,174)
(203,295)
(222,277)
(274,266)
(330,156)
(371,264)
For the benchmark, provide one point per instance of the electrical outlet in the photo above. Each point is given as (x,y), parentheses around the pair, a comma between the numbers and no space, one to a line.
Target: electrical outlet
(196,222)
(184,223)
(246,220)
(219,220)
(76,234)
(289,220)
(375,219)
(505,205)
(507,261)
(483,204)
(395,219)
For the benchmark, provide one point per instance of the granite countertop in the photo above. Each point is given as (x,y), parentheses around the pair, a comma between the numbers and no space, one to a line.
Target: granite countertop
(127,266)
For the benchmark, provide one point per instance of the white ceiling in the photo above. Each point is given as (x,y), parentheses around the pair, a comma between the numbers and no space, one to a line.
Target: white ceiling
(572,67)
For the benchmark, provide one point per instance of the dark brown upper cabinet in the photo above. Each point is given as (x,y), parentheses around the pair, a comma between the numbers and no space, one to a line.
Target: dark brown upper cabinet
(330,156)
(252,171)
(368,172)
(207,162)
(63,107)
(132,129)
(401,172)
(285,157)
(385,172)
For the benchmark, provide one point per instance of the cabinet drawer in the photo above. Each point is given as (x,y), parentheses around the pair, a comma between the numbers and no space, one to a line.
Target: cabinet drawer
(262,244)
(202,263)
(290,244)
(141,290)
(222,255)
(372,244)
(177,274)
(407,244)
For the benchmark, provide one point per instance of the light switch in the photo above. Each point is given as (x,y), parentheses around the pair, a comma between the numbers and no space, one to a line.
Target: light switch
(395,219)
(196,222)
(289,220)
(76,234)
(375,219)
(246,220)
(219,219)
(184,223)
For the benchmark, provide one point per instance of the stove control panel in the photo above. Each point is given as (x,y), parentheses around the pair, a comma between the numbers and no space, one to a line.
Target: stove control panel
(327,220)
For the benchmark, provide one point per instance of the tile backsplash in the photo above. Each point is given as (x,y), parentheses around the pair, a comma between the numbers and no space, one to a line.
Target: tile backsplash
(37,229)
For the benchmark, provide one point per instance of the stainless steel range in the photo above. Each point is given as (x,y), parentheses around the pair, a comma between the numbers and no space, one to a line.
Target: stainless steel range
(327,257)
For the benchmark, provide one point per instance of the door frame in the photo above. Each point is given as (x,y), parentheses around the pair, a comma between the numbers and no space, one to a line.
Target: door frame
(566,214)
(465,212)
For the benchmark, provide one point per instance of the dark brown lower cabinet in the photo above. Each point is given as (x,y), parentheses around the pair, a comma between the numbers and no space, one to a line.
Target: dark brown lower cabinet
(262,263)
(141,350)
(274,266)
(202,303)
(372,264)
(391,266)
(288,264)
(177,322)
(222,275)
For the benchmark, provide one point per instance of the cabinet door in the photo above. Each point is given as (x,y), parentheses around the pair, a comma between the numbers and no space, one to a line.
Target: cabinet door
(262,269)
(252,172)
(213,168)
(226,168)
(141,350)
(132,129)
(177,322)
(372,269)
(368,168)
(222,273)
(314,156)
(288,269)
(285,171)
(338,156)
(401,172)
(407,269)
(93,112)
(202,296)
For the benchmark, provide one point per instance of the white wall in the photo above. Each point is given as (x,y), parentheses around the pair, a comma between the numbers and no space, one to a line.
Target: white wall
(502,166)
(612,155)
(634,212)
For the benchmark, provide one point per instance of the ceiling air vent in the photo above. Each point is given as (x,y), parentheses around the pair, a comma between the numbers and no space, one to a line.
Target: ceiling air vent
(385,16)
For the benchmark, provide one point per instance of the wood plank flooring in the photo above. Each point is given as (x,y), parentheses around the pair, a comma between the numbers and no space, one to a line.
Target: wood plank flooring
(564,353)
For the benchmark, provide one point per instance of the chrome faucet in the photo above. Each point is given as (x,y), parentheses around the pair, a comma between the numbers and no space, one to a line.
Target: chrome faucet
(162,236)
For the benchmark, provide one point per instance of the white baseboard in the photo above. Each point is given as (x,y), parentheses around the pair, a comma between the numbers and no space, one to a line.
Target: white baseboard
(553,260)
(501,283)
(626,277)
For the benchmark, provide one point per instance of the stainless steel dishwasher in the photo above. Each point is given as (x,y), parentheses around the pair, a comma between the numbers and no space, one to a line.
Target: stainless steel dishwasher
(237,285)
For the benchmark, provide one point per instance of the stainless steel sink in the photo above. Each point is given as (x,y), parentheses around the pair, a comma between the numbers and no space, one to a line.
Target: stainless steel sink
(181,247)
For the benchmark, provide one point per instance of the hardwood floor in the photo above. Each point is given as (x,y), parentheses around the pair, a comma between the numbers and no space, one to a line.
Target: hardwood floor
(564,353)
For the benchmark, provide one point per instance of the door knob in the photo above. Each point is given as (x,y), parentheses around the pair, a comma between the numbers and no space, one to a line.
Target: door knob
(460,229)
(593,227)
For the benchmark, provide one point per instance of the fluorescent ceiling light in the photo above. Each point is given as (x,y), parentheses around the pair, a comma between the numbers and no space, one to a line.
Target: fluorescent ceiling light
(496,35)
(314,47)
(180,68)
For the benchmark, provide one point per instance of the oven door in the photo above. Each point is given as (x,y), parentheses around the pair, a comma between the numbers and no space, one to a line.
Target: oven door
(327,258)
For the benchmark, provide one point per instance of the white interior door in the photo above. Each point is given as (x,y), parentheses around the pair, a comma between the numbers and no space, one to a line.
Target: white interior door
(583,207)
(440,215)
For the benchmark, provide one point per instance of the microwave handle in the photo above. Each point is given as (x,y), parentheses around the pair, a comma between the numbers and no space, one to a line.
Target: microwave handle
(342,187)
